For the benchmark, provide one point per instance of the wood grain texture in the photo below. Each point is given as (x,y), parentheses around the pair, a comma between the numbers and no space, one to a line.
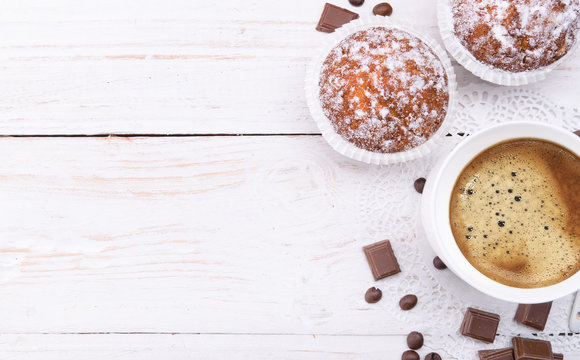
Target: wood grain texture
(245,246)
(196,235)
(178,66)
(250,242)
(208,346)
(177,347)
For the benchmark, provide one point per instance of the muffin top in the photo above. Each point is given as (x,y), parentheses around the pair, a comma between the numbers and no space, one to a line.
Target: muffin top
(384,90)
(516,35)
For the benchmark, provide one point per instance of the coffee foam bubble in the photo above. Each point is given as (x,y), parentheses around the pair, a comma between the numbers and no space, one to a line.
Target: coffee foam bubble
(513,213)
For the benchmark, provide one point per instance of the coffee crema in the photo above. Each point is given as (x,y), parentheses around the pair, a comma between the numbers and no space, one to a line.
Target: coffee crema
(515,213)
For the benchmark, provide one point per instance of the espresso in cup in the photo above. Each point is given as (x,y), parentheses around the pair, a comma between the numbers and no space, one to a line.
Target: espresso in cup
(515,213)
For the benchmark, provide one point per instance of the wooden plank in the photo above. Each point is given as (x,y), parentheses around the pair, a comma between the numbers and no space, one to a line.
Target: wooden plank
(177,66)
(207,346)
(202,235)
(144,347)
(197,235)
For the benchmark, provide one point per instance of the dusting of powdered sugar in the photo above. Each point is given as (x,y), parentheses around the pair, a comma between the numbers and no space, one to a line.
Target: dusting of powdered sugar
(516,35)
(384,90)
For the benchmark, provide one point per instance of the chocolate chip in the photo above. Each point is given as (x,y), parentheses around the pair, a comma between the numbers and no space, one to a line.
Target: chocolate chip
(497,354)
(408,302)
(373,295)
(420,185)
(383,9)
(439,264)
(577,132)
(410,355)
(432,356)
(382,259)
(415,340)
(480,325)
(533,315)
(334,17)
(532,349)
(356,2)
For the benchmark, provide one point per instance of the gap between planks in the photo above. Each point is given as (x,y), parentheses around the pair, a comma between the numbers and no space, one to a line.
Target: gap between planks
(143,135)
(197,333)
(226,333)
(152,135)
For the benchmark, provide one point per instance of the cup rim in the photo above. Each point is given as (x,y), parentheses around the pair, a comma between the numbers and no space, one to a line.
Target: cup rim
(436,198)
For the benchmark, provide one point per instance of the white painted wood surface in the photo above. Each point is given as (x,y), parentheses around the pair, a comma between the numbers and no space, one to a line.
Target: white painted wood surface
(207,347)
(195,235)
(182,247)
(176,66)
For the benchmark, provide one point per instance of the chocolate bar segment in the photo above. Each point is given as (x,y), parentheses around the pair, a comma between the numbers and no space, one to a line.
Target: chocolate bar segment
(558,356)
(480,325)
(381,259)
(334,17)
(532,349)
(498,354)
(533,315)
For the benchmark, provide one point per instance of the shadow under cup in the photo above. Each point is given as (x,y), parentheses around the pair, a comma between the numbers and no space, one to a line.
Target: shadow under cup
(435,206)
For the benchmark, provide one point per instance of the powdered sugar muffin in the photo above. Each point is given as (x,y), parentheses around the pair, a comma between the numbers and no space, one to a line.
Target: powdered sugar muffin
(516,35)
(384,90)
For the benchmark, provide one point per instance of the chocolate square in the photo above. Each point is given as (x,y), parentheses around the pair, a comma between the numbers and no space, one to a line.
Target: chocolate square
(533,315)
(558,356)
(334,17)
(498,354)
(532,349)
(381,259)
(480,325)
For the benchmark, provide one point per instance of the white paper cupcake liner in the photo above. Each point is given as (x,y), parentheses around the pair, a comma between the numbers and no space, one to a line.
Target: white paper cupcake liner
(479,69)
(336,141)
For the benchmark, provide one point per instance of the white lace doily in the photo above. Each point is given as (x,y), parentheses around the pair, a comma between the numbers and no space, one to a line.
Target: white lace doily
(443,297)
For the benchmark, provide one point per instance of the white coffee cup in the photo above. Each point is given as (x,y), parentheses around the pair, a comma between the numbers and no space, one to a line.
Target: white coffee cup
(437,194)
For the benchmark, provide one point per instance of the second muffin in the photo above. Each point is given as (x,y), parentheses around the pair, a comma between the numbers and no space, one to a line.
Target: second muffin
(516,35)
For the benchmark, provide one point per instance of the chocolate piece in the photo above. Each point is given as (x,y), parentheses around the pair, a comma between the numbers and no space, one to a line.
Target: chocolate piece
(334,17)
(577,132)
(415,340)
(356,2)
(381,259)
(558,356)
(532,349)
(420,185)
(499,354)
(433,356)
(410,355)
(533,315)
(408,302)
(480,325)
(439,264)
(373,295)
(485,352)
(383,9)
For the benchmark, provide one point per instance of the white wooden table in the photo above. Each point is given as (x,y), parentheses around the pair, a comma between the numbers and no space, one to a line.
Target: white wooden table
(137,224)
